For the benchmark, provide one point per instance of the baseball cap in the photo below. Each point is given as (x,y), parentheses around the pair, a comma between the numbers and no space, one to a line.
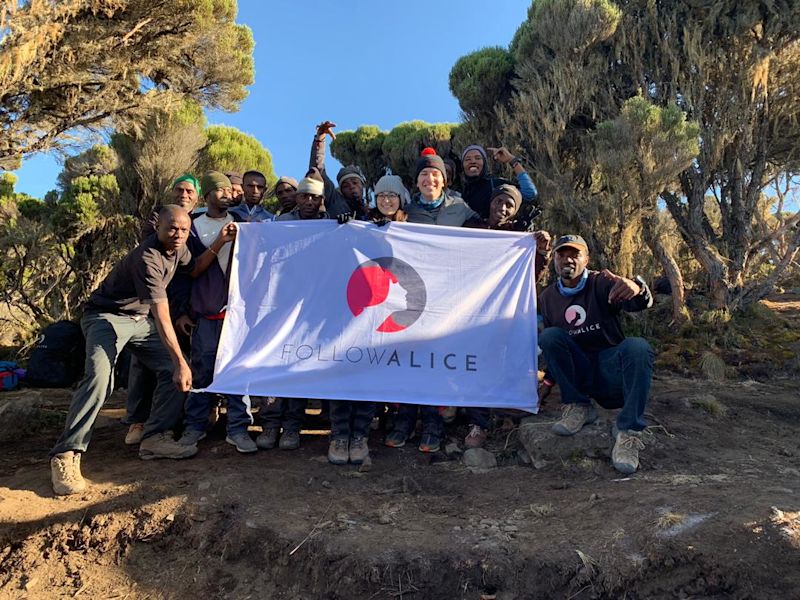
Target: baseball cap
(571,241)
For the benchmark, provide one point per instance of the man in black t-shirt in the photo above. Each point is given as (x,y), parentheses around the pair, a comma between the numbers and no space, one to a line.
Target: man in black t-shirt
(587,353)
(130,308)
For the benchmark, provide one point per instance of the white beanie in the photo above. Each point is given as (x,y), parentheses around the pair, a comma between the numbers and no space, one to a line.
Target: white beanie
(309,185)
(392,184)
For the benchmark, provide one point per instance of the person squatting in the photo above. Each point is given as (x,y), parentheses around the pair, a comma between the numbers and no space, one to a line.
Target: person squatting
(165,302)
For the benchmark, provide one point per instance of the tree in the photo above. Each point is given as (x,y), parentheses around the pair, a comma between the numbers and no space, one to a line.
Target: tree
(229,149)
(150,158)
(640,153)
(72,66)
(733,68)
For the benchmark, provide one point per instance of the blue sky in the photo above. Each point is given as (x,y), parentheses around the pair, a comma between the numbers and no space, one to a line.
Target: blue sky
(355,62)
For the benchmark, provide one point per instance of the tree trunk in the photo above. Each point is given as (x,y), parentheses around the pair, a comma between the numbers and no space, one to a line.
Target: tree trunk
(671,269)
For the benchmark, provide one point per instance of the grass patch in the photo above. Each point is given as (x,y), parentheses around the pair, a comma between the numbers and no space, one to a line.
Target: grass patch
(669,519)
(712,366)
(710,404)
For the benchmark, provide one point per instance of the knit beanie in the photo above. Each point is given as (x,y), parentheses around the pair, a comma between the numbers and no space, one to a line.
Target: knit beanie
(191,179)
(214,180)
(284,179)
(234,178)
(392,184)
(480,150)
(350,172)
(429,159)
(309,185)
(508,190)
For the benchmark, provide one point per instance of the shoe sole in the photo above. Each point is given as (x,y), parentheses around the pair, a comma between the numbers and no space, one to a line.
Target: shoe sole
(264,447)
(358,461)
(394,445)
(337,462)
(239,448)
(429,449)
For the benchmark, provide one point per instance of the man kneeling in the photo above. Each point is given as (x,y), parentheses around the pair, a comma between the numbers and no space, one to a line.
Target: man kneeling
(130,309)
(587,353)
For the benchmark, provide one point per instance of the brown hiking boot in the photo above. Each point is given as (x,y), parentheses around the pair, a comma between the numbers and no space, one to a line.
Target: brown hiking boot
(476,437)
(625,455)
(359,450)
(574,417)
(339,452)
(162,445)
(134,435)
(65,473)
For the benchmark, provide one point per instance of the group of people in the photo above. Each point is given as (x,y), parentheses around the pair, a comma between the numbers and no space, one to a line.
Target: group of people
(165,301)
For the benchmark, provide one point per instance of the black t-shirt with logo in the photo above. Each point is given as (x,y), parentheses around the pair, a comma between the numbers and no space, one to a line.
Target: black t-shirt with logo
(592,322)
(140,279)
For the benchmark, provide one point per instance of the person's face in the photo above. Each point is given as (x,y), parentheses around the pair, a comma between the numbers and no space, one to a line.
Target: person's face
(473,163)
(173,230)
(430,182)
(308,205)
(285,194)
(238,192)
(502,210)
(254,186)
(219,200)
(571,262)
(352,188)
(185,196)
(388,203)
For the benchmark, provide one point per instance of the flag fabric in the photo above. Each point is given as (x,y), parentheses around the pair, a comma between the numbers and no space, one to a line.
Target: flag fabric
(403,313)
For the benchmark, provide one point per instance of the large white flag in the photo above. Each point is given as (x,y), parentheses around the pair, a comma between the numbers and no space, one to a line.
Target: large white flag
(403,313)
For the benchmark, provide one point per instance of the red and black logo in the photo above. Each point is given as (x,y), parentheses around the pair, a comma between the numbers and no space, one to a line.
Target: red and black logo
(372,283)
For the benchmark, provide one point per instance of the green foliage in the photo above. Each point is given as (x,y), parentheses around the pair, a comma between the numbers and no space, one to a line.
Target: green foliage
(229,149)
(83,203)
(481,79)
(33,209)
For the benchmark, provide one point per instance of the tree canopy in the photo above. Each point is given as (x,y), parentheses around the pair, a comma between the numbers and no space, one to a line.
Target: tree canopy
(733,68)
(71,66)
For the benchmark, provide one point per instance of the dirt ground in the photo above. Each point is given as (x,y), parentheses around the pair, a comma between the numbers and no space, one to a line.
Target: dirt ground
(713,513)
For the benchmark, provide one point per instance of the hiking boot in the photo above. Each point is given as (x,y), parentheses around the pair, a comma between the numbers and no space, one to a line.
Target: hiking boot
(476,437)
(267,439)
(574,417)
(190,437)
(134,435)
(162,445)
(359,450)
(243,442)
(396,438)
(625,455)
(338,452)
(290,440)
(65,473)
(429,442)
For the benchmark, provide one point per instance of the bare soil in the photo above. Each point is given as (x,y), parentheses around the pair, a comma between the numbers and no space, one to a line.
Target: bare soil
(713,513)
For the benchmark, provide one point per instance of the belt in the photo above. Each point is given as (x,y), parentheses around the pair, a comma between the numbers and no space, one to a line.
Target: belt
(216,317)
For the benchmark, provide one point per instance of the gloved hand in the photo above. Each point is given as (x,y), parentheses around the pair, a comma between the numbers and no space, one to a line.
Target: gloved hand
(344,218)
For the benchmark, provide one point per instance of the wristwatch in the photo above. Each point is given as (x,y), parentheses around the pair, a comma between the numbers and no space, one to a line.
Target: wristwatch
(514,162)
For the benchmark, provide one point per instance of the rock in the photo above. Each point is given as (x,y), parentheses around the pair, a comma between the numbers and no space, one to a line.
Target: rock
(18,412)
(453,449)
(480,458)
(523,458)
(544,446)
(203,485)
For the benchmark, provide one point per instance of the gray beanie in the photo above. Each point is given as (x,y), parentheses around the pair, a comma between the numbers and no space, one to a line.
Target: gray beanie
(349,172)
(394,185)
(481,150)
